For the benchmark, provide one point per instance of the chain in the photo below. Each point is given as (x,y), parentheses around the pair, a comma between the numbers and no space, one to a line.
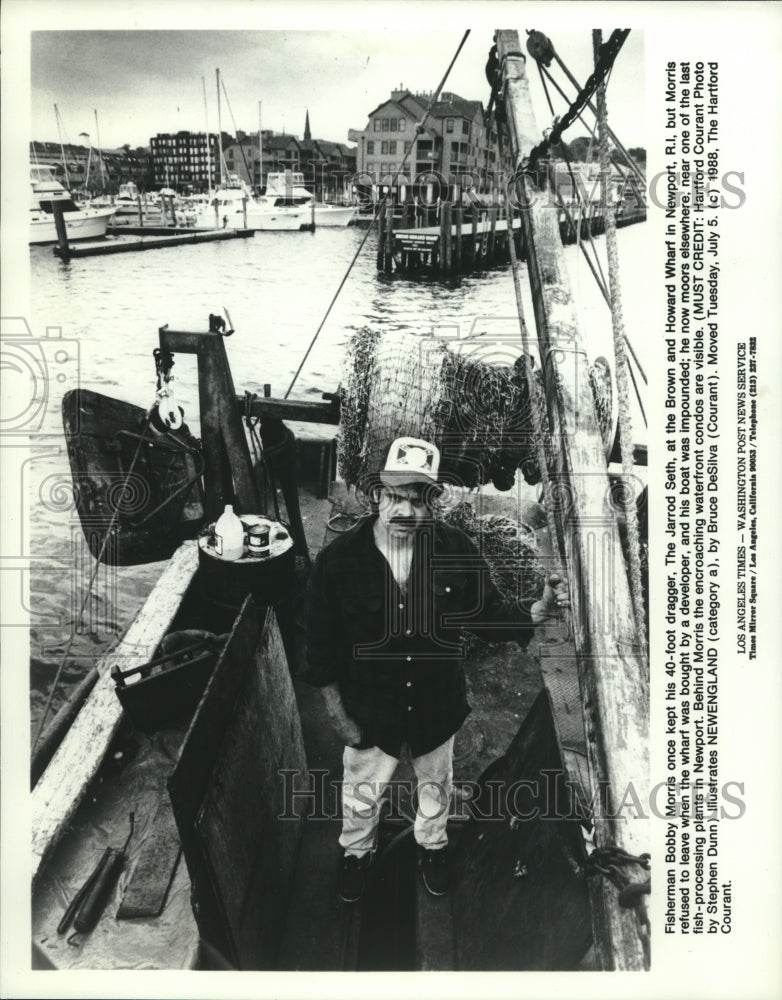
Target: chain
(610,861)
(605,61)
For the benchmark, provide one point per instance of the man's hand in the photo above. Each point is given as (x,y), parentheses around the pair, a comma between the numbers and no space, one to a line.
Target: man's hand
(346,728)
(555,598)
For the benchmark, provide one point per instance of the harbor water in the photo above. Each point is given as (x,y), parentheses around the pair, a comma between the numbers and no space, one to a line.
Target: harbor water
(97,320)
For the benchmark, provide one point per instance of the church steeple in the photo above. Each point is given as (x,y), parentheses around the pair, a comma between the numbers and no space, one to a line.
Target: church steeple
(307,133)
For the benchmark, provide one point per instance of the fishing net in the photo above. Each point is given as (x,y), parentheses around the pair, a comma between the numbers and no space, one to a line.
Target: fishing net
(511,552)
(475,409)
(476,412)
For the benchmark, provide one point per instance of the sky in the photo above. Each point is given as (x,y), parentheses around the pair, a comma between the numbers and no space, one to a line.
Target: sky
(142,82)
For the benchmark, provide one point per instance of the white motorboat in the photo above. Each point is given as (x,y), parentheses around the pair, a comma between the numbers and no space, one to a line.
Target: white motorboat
(233,206)
(80,223)
(288,187)
(126,202)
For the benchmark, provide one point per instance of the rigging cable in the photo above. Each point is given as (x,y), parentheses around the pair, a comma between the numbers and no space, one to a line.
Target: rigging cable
(605,61)
(600,279)
(381,204)
(233,122)
(625,427)
(552,53)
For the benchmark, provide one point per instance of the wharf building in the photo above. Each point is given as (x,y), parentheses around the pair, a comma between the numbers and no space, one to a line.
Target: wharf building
(457,148)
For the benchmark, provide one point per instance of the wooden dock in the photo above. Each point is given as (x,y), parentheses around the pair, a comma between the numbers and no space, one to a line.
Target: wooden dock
(470,240)
(121,244)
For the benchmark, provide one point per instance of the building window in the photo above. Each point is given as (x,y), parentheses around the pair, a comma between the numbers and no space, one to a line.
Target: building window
(385,125)
(407,147)
(449,125)
(370,148)
(392,148)
(465,128)
(376,125)
(402,124)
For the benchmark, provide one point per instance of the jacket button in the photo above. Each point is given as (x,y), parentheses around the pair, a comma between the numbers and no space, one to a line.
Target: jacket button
(448,590)
(401,606)
(409,708)
(409,632)
(409,658)
(409,684)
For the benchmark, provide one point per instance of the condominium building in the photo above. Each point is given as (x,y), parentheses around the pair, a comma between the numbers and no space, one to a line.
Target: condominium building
(187,161)
(85,168)
(458,143)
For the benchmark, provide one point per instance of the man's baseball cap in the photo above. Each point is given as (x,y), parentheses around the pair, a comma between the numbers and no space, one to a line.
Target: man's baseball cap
(410,460)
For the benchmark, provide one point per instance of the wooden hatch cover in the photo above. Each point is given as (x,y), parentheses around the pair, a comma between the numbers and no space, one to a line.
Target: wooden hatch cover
(520,901)
(144,482)
(227,795)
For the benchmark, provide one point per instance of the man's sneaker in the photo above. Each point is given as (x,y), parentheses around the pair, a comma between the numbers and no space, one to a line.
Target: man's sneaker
(435,870)
(353,877)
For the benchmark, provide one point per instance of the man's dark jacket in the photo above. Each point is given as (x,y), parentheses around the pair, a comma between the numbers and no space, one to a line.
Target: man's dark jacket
(396,654)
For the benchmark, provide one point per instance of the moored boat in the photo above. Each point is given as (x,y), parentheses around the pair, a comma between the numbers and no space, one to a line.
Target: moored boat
(288,188)
(233,206)
(81,222)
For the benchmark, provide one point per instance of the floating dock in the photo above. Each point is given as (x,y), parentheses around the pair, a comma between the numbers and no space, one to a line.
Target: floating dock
(121,244)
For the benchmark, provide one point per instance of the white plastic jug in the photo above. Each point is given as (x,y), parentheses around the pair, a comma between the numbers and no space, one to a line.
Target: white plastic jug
(229,535)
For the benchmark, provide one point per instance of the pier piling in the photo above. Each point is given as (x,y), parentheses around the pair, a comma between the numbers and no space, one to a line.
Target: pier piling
(62,232)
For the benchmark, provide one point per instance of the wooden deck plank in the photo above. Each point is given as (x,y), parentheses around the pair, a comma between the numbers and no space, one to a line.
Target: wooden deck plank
(58,793)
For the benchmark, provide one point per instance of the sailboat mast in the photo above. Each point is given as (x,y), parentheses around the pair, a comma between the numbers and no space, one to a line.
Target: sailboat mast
(219,130)
(62,148)
(208,154)
(260,150)
(100,152)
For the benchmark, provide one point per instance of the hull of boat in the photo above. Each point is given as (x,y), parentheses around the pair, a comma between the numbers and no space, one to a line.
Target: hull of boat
(274,220)
(84,225)
(334,215)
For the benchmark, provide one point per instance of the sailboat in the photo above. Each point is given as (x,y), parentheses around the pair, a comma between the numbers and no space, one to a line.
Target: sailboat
(201,693)
(232,205)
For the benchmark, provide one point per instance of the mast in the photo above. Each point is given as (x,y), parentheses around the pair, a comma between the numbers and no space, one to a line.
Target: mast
(260,150)
(208,154)
(62,148)
(100,152)
(219,131)
(612,665)
(86,136)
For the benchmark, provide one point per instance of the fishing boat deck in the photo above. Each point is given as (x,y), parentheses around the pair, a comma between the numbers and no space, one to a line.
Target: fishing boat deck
(320,933)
